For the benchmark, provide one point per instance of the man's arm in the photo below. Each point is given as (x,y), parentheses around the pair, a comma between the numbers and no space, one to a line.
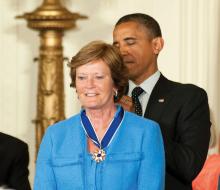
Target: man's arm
(186,154)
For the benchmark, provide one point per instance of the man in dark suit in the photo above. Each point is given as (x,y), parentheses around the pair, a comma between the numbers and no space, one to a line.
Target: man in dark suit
(14,159)
(181,109)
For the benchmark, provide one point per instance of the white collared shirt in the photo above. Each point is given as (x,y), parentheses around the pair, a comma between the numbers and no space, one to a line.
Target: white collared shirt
(147,86)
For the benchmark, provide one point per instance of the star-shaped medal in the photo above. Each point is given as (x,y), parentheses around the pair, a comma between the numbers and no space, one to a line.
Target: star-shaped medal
(99,155)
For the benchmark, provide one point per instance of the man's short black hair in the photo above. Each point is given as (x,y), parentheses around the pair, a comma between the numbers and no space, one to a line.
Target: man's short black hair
(145,20)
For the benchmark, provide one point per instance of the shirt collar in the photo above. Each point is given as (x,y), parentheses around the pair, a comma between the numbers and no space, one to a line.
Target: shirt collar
(147,85)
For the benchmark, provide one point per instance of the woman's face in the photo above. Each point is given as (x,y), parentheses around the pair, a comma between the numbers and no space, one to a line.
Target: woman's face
(94,85)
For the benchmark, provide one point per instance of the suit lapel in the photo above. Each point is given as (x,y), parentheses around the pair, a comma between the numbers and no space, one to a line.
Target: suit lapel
(158,99)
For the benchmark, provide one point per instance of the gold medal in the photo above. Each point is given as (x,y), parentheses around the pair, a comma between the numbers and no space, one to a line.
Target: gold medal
(99,155)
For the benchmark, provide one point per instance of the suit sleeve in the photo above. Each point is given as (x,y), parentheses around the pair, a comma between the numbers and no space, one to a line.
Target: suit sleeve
(186,154)
(44,178)
(18,178)
(152,168)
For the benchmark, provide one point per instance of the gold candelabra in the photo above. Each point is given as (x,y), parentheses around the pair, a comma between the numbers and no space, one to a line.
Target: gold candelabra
(51,19)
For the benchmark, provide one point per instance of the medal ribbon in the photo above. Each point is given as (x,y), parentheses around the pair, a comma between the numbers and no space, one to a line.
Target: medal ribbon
(90,132)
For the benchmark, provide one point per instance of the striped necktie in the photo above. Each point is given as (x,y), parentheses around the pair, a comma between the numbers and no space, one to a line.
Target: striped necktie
(136,92)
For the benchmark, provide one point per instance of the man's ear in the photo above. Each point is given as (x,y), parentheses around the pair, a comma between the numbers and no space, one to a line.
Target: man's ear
(157,45)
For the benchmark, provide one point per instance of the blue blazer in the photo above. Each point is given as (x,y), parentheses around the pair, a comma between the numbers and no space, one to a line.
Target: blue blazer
(134,159)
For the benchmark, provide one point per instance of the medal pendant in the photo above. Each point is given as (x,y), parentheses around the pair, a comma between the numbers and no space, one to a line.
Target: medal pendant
(99,155)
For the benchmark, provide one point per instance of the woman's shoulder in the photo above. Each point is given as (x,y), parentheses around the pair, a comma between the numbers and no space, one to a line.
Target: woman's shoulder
(65,124)
(138,120)
(140,128)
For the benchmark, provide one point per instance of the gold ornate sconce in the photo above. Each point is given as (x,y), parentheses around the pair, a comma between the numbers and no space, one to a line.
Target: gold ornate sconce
(51,19)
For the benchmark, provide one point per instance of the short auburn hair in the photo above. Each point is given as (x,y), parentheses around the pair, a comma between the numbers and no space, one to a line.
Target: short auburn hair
(99,50)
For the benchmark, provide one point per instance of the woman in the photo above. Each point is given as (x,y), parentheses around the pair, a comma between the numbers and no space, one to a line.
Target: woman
(102,147)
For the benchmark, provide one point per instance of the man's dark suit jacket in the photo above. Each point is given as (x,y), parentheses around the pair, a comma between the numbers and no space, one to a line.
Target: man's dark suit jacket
(14,159)
(183,114)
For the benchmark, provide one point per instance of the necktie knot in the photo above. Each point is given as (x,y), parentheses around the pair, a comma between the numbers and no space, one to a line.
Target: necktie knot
(137,91)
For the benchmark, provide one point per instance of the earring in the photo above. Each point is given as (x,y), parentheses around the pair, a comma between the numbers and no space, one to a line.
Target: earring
(116,93)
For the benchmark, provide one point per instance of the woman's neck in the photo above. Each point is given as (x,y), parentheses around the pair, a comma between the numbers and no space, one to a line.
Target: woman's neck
(101,118)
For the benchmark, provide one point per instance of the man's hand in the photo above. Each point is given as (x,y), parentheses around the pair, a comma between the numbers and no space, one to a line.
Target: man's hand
(126,103)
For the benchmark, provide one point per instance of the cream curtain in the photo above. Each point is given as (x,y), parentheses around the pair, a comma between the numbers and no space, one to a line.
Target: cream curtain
(200,49)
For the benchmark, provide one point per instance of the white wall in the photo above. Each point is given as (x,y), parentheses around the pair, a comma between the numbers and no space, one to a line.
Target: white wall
(191,54)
